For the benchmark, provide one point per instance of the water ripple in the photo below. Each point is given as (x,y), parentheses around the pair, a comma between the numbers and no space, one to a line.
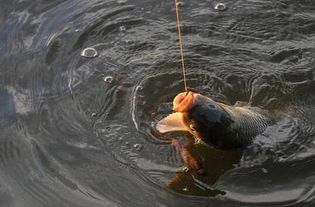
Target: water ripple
(80,131)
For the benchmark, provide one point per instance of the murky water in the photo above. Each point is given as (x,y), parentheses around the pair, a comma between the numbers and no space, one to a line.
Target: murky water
(79,130)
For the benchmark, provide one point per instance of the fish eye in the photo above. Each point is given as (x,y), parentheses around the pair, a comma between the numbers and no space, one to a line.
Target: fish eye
(212,107)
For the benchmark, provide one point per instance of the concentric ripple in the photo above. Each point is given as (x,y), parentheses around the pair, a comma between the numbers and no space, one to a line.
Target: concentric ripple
(79,131)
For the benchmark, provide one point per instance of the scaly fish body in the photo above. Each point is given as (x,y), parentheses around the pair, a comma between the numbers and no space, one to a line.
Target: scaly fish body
(215,123)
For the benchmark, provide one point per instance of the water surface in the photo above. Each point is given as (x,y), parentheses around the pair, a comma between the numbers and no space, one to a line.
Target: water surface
(79,131)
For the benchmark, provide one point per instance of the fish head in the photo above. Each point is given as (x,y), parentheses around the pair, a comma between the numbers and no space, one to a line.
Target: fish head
(199,115)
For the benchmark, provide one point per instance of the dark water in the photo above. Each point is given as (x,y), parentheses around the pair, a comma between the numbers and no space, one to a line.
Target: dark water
(79,131)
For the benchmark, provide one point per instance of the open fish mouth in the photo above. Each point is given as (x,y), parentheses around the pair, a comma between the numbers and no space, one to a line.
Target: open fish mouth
(177,121)
(183,101)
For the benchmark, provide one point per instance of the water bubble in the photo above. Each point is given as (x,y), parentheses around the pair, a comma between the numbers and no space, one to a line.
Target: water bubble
(180,4)
(122,28)
(108,129)
(264,170)
(77,30)
(93,114)
(138,147)
(89,52)
(139,88)
(109,79)
(220,7)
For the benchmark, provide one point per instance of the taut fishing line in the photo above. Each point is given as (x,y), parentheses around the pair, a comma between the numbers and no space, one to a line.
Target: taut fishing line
(180,44)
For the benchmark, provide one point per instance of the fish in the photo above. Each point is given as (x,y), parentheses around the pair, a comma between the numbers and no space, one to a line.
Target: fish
(215,123)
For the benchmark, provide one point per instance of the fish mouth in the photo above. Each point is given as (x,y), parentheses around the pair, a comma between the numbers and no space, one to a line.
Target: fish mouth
(177,121)
(183,101)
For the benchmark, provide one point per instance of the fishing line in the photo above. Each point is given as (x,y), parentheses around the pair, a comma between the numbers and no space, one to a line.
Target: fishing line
(180,44)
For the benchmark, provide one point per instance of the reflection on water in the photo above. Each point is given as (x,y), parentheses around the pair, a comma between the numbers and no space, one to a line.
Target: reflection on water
(203,166)
(79,131)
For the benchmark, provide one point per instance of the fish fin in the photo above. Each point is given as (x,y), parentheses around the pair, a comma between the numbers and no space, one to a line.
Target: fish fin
(173,122)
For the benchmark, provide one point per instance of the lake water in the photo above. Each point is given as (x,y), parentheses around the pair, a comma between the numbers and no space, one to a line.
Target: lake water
(79,131)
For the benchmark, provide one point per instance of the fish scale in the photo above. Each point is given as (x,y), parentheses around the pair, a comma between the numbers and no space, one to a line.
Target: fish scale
(248,122)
